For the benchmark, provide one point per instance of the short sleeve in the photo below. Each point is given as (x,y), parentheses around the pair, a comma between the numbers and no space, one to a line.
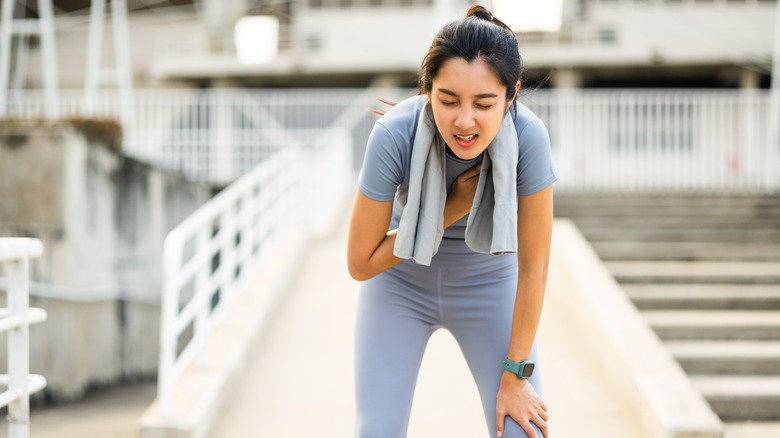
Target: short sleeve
(535,168)
(382,169)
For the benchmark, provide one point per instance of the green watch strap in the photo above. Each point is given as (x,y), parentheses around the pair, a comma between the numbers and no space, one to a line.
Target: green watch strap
(522,369)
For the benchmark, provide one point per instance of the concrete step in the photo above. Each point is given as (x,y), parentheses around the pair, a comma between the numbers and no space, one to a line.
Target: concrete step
(665,220)
(752,429)
(687,251)
(725,204)
(632,272)
(727,357)
(675,202)
(754,325)
(741,398)
(704,296)
(607,233)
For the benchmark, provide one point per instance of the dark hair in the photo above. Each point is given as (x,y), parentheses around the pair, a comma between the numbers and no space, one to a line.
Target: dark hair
(478,35)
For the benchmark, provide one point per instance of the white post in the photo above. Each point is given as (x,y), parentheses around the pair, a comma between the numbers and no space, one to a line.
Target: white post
(50,77)
(18,349)
(774,113)
(94,47)
(223,145)
(168,337)
(5,53)
(121,73)
(123,63)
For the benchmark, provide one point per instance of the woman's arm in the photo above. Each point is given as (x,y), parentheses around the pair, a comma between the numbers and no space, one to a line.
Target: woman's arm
(534,231)
(516,397)
(370,246)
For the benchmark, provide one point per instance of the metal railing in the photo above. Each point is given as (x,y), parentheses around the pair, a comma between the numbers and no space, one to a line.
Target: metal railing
(217,135)
(15,319)
(603,140)
(208,257)
(662,140)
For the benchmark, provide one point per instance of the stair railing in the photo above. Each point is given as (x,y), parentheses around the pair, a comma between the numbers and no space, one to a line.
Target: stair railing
(15,319)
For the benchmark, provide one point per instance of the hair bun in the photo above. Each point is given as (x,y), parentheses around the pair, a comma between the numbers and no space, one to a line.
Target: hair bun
(483,14)
(480,12)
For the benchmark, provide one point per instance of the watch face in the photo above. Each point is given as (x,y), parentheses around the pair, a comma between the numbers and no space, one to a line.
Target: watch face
(527,370)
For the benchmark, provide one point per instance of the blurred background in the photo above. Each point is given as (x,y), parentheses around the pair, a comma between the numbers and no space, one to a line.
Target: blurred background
(173,156)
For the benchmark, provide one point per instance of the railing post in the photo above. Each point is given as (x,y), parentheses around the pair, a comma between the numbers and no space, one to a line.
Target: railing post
(18,349)
(168,311)
(14,255)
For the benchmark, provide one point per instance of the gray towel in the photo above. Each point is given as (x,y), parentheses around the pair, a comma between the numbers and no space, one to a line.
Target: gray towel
(492,224)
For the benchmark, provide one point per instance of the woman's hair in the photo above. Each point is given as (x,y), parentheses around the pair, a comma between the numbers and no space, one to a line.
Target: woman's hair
(478,35)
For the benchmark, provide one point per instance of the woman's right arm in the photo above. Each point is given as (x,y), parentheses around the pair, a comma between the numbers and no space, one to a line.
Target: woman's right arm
(370,246)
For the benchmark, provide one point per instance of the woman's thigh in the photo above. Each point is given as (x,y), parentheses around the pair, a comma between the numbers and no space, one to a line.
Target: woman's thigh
(478,312)
(394,323)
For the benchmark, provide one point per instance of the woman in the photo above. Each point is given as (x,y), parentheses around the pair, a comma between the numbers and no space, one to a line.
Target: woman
(413,249)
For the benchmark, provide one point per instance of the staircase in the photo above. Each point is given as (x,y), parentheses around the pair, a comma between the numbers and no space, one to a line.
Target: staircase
(705,273)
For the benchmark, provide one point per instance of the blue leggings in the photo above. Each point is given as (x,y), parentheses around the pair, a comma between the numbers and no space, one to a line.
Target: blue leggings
(471,295)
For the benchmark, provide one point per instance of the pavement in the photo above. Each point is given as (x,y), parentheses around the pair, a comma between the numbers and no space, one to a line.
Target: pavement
(300,382)
(282,395)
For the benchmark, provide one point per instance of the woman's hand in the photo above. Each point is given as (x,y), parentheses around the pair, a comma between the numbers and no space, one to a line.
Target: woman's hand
(518,399)
(461,198)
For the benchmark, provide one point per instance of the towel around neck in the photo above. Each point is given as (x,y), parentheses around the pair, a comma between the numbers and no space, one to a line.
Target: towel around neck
(491,227)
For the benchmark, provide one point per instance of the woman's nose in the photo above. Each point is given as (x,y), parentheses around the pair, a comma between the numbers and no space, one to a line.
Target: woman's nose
(464,119)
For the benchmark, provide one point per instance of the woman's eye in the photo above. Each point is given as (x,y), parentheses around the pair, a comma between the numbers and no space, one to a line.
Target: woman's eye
(484,107)
(448,103)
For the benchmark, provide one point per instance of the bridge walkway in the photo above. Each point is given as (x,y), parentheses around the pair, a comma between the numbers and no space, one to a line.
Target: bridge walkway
(284,396)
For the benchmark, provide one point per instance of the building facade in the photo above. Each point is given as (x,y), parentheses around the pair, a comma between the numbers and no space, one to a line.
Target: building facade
(353,43)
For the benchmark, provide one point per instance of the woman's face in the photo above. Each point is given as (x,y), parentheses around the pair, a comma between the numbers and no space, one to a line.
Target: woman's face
(469,103)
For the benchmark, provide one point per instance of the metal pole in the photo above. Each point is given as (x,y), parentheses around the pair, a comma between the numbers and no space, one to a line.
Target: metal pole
(50,76)
(94,46)
(124,67)
(5,53)
(774,113)
(18,349)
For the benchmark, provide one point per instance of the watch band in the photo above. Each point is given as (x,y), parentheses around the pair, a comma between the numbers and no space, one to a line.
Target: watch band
(522,370)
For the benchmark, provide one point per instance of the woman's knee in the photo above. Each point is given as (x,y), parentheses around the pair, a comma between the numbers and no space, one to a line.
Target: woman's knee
(513,430)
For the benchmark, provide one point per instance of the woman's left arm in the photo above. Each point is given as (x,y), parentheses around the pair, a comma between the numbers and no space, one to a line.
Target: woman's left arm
(516,397)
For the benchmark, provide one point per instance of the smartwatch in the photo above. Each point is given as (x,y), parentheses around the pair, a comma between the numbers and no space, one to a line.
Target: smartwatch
(522,370)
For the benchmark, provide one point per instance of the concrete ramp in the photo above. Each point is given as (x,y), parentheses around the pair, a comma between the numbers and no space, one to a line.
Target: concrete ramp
(284,396)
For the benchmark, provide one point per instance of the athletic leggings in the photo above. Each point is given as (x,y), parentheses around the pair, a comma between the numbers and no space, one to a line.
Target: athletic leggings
(472,295)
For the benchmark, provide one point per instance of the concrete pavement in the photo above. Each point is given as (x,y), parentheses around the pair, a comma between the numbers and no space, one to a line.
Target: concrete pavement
(280,395)
(300,381)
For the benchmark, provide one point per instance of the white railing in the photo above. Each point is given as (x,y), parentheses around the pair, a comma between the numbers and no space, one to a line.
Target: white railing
(603,140)
(15,319)
(209,257)
(216,135)
(661,141)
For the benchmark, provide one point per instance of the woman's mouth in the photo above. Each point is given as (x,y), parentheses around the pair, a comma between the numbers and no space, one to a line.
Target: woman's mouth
(466,140)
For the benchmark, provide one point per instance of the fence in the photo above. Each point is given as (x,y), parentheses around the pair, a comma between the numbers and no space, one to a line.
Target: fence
(602,140)
(293,193)
(15,319)
(721,141)
(217,135)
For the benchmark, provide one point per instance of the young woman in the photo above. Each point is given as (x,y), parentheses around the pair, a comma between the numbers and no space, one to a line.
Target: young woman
(439,267)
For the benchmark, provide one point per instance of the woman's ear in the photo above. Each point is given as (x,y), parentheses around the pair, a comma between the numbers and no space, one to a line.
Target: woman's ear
(509,102)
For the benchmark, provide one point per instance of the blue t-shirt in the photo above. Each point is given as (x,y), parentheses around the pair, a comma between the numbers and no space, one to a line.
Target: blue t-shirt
(385,172)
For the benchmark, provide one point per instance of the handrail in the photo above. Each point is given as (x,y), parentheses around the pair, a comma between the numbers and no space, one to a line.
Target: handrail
(14,257)
(209,257)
